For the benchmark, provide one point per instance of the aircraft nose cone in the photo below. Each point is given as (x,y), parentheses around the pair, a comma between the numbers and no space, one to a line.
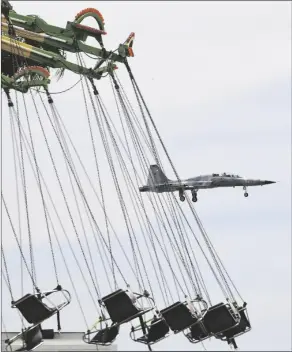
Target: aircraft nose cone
(269,182)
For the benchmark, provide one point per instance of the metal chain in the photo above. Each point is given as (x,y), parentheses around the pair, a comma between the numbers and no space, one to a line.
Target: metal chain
(7,274)
(192,209)
(26,205)
(40,189)
(64,196)
(100,184)
(58,216)
(15,236)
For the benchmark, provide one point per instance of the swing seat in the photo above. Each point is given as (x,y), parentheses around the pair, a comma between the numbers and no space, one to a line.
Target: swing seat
(120,307)
(243,326)
(158,330)
(197,333)
(34,310)
(104,337)
(178,317)
(220,318)
(32,338)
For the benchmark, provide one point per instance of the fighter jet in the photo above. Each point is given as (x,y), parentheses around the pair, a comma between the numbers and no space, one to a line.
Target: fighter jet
(157,182)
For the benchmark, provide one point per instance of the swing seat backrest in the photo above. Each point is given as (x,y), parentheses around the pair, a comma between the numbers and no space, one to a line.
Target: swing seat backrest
(120,307)
(219,318)
(33,338)
(197,332)
(157,330)
(178,317)
(105,336)
(33,309)
(240,328)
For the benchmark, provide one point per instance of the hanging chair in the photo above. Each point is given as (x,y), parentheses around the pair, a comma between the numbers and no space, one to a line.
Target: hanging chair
(179,317)
(224,321)
(240,329)
(156,331)
(103,336)
(122,308)
(32,338)
(35,311)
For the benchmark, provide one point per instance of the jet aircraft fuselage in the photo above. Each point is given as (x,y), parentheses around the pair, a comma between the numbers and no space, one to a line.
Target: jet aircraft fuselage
(159,183)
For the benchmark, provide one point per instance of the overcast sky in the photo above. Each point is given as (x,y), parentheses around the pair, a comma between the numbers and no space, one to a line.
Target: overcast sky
(217,79)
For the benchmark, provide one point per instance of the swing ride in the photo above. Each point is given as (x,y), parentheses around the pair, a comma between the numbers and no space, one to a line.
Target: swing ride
(154,234)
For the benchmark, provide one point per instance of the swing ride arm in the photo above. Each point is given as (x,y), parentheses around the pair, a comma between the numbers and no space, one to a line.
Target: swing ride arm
(50,59)
(35,76)
(51,39)
(71,38)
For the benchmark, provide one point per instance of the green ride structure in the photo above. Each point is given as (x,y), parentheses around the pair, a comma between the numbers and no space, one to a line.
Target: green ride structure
(42,44)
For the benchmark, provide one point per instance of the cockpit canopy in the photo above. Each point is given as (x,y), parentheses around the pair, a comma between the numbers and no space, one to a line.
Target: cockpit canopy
(224,174)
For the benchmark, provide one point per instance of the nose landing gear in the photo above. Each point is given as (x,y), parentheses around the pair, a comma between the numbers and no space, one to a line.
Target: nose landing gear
(245,193)
(194,196)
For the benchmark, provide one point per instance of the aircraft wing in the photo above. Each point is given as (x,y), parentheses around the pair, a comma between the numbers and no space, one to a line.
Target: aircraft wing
(175,186)
(188,185)
(198,184)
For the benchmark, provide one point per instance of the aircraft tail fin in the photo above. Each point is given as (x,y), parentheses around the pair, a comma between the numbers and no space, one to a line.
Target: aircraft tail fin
(156,176)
